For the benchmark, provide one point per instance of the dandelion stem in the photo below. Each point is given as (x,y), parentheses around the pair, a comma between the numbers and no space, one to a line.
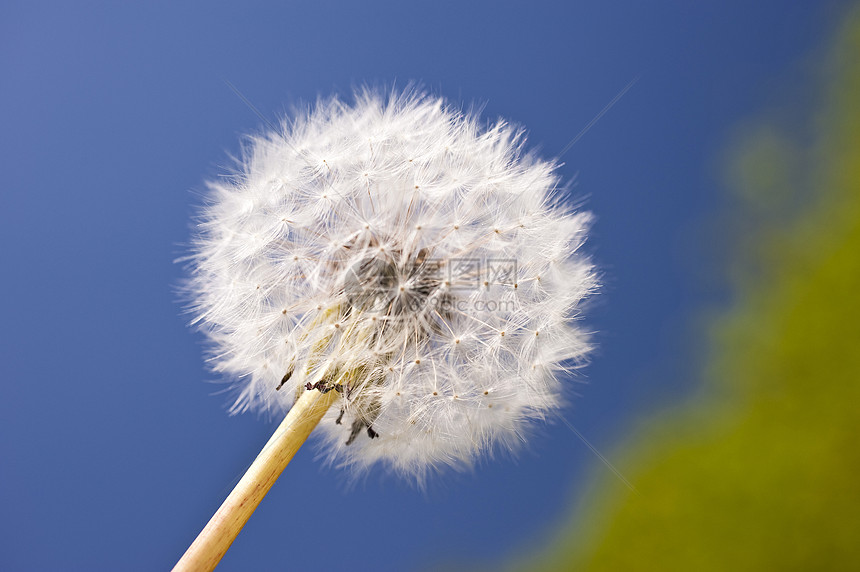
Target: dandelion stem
(212,543)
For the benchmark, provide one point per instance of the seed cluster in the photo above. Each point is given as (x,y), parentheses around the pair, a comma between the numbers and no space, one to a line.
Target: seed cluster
(395,251)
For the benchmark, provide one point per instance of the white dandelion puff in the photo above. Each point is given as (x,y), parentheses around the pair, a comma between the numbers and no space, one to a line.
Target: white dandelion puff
(396,252)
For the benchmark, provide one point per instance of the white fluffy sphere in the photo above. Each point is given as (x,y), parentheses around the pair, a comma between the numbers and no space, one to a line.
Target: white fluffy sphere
(399,253)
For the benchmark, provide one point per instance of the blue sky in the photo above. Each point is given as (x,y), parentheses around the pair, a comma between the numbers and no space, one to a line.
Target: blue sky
(114,451)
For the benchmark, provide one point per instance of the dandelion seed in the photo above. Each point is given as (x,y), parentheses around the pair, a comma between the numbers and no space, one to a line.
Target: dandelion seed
(370,284)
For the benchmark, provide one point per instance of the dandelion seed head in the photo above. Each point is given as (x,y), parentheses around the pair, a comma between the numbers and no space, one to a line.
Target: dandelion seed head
(395,250)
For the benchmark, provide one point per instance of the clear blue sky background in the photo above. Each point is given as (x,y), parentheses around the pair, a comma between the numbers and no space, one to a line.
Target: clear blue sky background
(113,450)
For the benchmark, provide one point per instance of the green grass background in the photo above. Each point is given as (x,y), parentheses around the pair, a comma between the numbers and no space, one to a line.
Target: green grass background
(762,470)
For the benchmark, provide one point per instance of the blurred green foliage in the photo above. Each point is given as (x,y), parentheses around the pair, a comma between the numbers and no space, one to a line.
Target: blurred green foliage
(763,471)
